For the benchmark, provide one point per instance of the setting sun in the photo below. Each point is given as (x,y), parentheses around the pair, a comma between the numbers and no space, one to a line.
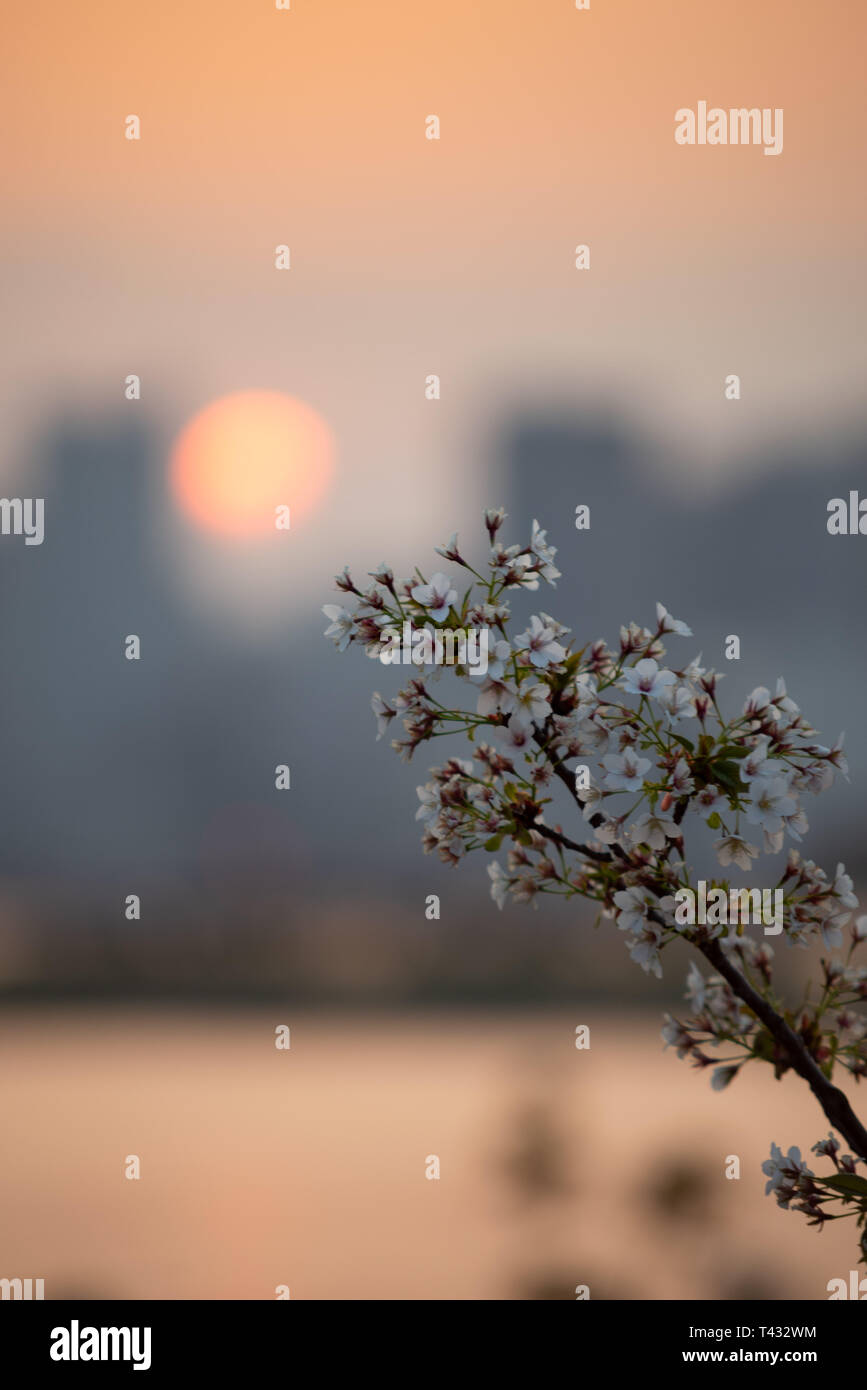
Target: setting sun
(246,454)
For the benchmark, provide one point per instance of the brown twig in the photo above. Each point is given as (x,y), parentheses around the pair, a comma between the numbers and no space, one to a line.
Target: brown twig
(832,1100)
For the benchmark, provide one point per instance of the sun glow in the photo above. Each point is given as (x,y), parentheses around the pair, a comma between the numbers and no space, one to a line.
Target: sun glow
(245,455)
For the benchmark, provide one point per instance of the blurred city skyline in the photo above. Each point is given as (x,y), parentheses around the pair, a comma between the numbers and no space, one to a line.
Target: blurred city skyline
(157,776)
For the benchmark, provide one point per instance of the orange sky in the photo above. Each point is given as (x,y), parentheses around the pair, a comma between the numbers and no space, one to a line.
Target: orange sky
(312,119)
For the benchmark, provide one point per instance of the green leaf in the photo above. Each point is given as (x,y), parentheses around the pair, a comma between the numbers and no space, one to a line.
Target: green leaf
(494,842)
(728,775)
(763,1045)
(850,1183)
(684,742)
(714,821)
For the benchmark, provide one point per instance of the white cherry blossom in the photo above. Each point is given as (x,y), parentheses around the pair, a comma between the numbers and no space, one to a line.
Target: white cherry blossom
(770,803)
(669,624)
(341,625)
(731,849)
(539,645)
(646,678)
(438,597)
(653,830)
(625,771)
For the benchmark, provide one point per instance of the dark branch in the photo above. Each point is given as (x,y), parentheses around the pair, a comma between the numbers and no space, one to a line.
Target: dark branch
(832,1100)
(830,1097)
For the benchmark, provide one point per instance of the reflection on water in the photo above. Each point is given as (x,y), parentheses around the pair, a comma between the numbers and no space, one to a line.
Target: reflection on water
(307,1167)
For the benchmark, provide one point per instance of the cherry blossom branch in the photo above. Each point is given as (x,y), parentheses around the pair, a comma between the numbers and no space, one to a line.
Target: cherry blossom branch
(663,757)
(558,838)
(832,1100)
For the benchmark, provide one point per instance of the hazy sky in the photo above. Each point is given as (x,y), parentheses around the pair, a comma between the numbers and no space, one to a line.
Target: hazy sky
(409,256)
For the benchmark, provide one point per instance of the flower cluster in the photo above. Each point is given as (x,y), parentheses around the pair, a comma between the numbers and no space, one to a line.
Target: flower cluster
(791,1181)
(639,743)
(828,1020)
